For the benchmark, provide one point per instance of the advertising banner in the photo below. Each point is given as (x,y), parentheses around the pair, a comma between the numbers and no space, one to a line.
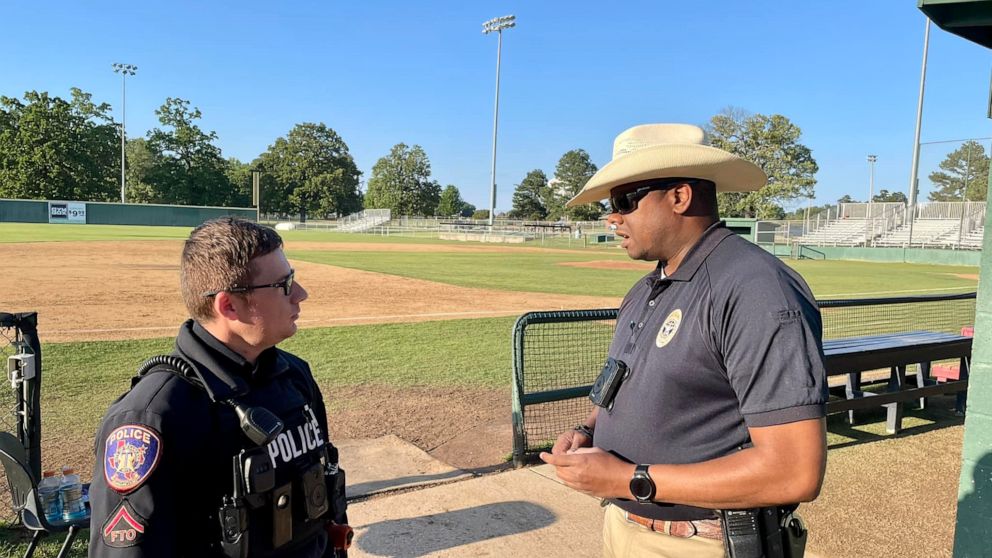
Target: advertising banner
(66,212)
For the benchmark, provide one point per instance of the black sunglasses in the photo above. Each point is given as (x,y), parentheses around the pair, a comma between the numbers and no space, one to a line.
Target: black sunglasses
(626,201)
(286,285)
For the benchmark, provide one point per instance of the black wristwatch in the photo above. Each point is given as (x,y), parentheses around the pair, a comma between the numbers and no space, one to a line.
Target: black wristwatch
(641,485)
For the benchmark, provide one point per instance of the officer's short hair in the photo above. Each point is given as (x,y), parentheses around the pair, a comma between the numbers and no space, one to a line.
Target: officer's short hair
(217,256)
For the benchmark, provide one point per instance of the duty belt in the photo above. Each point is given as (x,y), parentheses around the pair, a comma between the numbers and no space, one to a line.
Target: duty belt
(706,528)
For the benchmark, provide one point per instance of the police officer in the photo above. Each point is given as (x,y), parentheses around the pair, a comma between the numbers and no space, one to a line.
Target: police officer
(221,449)
(713,396)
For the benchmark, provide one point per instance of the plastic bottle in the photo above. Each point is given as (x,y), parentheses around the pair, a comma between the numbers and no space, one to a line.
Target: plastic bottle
(50,496)
(73,507)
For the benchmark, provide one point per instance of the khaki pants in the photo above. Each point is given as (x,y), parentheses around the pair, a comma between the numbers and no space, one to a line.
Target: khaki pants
(625,539)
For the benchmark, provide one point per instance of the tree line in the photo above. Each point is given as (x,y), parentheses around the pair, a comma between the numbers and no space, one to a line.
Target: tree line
(54,148)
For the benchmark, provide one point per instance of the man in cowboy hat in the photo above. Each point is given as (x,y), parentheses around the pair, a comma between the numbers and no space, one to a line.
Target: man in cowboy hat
(713,394)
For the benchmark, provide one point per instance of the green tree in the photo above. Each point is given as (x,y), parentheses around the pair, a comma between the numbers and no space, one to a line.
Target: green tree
(310,172)
(846,198)
(51,148)
(964,171)
(480,214)
(189,169)
(467,210)
(529,195)
(401,182)
(574,169)
(886,196)
(772,143)
(141,164)
(239,176)
(451,202)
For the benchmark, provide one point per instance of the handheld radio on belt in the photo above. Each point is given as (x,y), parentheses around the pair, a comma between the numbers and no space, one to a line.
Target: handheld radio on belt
(772,532)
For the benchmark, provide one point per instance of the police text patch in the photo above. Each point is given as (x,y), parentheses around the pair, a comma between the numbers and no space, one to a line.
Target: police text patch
(131,453)
(124,528)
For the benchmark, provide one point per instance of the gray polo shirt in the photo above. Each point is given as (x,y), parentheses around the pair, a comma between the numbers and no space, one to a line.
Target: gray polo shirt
(731,340)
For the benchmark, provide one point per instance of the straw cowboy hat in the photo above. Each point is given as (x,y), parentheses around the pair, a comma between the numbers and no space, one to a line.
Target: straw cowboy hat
(669,151)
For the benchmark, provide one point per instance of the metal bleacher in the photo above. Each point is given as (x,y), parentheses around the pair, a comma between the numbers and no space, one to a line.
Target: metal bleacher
(926,232)
(364,220)
(956,225)
(841,232)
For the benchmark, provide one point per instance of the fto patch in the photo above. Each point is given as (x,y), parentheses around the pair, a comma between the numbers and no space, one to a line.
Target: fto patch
(131,453)
(669,328)
(124,527)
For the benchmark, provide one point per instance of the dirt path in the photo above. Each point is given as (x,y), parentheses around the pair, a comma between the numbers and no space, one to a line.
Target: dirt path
(129,290)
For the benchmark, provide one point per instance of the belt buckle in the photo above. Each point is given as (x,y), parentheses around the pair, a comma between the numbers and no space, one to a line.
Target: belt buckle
(682,529)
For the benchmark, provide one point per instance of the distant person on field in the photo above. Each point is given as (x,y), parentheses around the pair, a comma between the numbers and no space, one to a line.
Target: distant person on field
(712,400)
(222,449)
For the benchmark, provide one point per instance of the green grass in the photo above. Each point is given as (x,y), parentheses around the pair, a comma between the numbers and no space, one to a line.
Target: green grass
(44,232)
(543,272)
(82,379)
(47,232)
(508,271)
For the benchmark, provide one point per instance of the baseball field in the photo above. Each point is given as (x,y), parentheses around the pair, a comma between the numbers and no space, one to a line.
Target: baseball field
(412,337)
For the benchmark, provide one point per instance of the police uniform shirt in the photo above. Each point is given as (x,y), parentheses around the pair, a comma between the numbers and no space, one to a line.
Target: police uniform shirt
(731,340)
(164,453)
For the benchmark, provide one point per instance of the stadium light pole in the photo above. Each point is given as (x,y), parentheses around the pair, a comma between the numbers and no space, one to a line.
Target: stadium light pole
(871,181)
(256,192)
(124,70)
(496,25)
(913,177)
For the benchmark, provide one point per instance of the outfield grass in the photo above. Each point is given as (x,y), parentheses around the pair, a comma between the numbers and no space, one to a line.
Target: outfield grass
(47,232)
(543,272)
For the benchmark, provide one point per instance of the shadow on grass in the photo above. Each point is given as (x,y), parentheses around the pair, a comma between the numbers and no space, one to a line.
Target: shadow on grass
(14,541)
(869,425)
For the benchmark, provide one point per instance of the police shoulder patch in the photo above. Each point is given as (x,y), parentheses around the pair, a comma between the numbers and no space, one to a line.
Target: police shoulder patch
(131,453)
(124,527)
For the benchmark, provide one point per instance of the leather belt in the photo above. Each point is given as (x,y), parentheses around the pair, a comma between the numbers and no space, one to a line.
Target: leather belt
(706,528)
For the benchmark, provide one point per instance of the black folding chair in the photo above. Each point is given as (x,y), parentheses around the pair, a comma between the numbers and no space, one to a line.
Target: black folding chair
(24,493)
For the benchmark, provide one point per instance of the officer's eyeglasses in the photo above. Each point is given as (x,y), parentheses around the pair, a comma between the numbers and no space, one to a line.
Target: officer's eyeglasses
(286,285)
(626,201)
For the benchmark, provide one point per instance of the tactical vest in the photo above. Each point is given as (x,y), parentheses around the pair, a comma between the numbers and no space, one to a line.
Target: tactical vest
(285,483)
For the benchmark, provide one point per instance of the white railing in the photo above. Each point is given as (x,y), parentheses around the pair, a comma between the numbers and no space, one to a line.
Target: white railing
(364,220)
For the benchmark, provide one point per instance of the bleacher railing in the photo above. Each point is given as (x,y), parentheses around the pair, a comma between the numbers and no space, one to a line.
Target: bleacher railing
(945,225)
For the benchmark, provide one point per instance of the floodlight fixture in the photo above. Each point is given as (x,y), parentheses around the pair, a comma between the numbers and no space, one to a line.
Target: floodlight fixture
(498,24)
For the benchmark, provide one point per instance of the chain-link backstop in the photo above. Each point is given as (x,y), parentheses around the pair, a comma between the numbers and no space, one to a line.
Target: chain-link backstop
(20,410)
(557,355)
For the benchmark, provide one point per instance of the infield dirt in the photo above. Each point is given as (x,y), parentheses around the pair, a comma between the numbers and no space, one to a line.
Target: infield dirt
(128,290)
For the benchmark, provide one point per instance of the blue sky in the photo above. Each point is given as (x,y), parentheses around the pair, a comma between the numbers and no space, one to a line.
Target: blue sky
(574,75)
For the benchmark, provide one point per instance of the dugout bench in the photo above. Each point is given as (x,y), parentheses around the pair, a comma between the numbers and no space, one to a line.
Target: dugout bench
(557,355)
(852,356)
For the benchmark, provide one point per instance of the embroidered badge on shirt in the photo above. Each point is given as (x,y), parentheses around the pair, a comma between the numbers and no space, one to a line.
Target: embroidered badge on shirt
(130,455)
(124,528)
(669,328)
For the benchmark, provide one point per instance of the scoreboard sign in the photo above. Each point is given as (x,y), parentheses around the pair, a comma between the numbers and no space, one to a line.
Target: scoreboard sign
(66,212)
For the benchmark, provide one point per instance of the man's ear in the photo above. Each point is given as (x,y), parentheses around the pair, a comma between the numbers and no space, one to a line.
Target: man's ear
(681,198)
(225,306)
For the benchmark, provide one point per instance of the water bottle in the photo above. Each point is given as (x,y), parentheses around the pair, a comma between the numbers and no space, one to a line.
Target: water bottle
(50,496)
(73,507)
